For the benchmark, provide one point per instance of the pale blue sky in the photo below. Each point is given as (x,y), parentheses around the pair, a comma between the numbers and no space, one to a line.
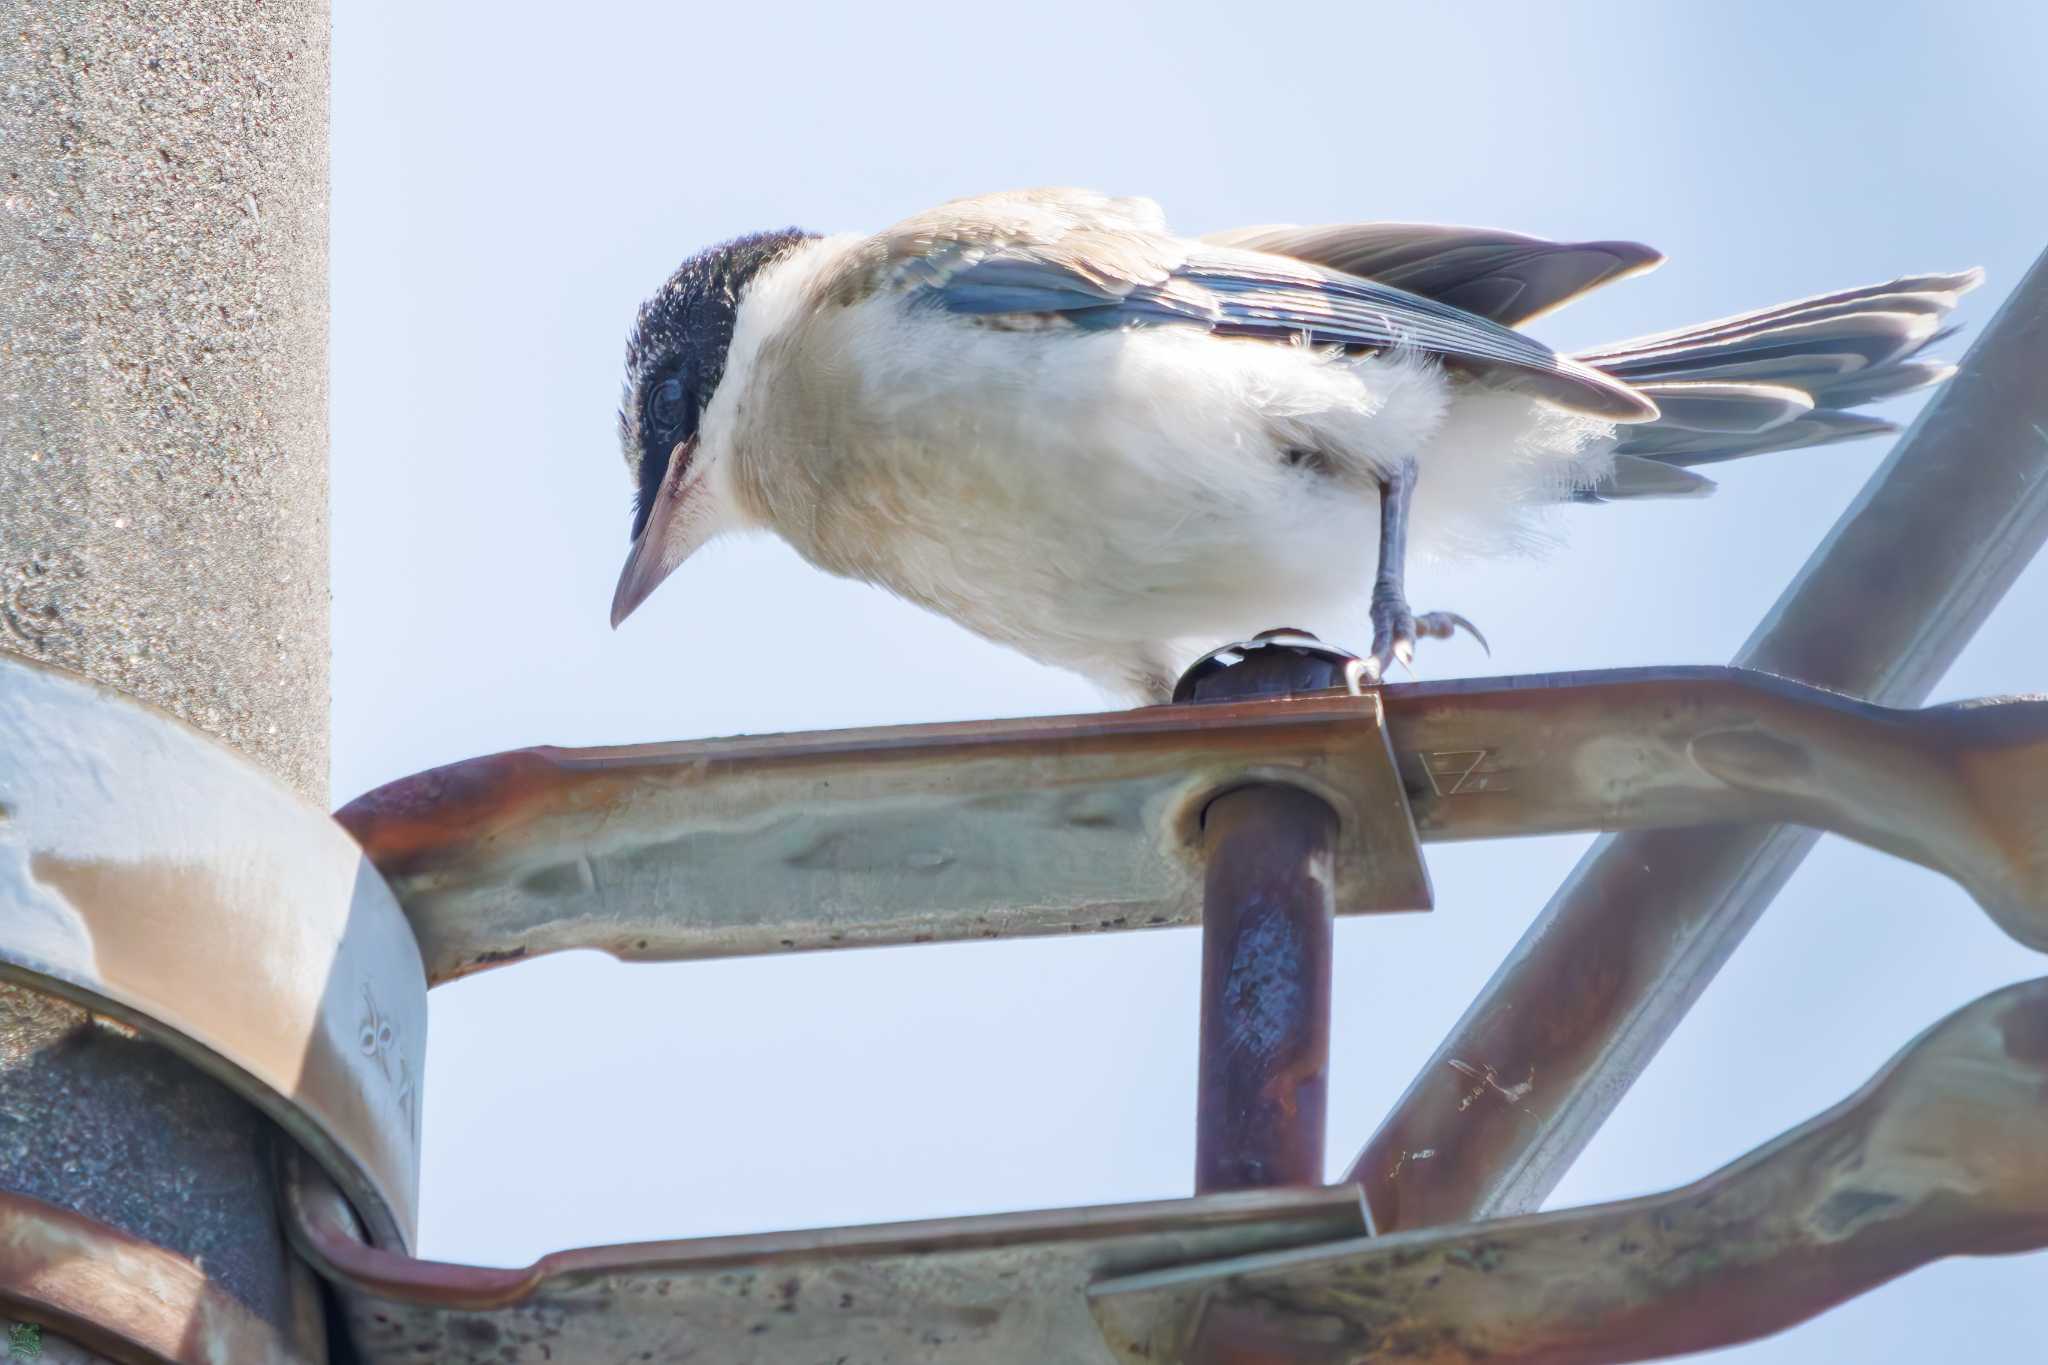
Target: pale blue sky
(507,190)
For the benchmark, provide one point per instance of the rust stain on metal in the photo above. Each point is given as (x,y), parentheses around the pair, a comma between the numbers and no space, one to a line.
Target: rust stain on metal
(1263,1079)
(154,878)
(146,920)
(1961,789)
(1939,1155)
(1008,1289)
(889,835)
(127,1298)
(931,833)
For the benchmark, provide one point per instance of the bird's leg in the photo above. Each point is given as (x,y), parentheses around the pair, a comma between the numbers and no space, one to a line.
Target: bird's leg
(1394,627)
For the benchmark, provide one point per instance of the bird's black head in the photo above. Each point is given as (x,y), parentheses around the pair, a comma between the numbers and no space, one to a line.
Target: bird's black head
(676,354)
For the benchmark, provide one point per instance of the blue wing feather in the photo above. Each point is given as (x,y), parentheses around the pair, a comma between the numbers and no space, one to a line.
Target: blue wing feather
(1239,293)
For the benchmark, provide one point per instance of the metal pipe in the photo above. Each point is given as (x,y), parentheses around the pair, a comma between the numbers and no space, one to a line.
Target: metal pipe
(1268,912)
(1268,915)
(1644,922)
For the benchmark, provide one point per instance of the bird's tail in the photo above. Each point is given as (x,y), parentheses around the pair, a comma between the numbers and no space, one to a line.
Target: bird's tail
(1775,379)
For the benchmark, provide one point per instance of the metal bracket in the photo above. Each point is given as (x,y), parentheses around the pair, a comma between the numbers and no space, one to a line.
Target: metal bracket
(1004,1288)
(1938,1155)
(942,832)
(115,816)
(850,838)
(152,875)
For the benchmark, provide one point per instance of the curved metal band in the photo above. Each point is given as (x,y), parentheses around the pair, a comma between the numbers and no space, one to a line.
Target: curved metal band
(152,875)
(126,1298)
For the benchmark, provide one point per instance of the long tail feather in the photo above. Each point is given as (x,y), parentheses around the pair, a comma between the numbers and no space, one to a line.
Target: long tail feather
(1778,378)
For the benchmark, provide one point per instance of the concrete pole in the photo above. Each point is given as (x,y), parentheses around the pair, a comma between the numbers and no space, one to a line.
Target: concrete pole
(163,508)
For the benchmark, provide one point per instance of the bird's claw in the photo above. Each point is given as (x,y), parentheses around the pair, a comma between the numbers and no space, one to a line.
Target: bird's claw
(1442,625)
(1395,630)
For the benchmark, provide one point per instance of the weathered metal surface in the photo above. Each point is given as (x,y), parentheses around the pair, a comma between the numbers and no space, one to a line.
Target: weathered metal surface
(1625,947)
(153,876)
(1268,900)
(132,1301)
(1262,1079)
(1940,1155)
(1002,1290)
(1088,822)
(1962,789)
(857,837)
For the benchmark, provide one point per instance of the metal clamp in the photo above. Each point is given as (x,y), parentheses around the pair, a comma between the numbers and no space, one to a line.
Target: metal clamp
(152,875)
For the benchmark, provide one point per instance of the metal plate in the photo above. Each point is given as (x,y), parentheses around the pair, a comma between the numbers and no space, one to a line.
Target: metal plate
(917,833)
(858,837)
(1940,1155)
(152,875)
(1962,789)
(1002,1290)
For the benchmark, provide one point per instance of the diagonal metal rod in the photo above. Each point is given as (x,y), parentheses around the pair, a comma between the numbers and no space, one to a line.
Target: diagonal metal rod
(1644,922)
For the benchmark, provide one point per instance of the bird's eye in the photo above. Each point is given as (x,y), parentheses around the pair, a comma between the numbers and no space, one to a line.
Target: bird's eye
(665,407)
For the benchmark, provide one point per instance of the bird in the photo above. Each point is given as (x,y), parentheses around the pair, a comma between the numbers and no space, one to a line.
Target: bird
(1045,415)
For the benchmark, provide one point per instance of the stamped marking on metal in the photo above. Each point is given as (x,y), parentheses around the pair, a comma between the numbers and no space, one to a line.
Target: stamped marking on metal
(376,1038)
(1463,772)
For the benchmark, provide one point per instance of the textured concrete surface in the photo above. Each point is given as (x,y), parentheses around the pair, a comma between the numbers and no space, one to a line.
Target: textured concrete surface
(163,359)
(163,506)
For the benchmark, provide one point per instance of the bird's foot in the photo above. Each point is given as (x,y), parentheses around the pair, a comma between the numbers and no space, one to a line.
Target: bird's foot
(1395,629)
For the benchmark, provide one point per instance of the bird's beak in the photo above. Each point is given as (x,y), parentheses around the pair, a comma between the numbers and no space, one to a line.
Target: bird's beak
(679,523)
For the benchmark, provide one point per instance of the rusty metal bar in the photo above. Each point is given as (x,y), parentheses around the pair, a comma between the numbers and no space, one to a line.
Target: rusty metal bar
(1645,921)
(779,843)
(133,1301)
(1268,923)
(1267,919)
(896,834)
(1938,1155)
(1001,1289)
